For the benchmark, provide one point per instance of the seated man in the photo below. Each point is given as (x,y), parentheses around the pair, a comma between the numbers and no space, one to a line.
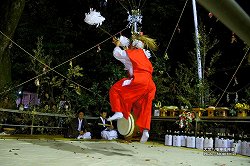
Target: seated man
(79,127)
(104,128)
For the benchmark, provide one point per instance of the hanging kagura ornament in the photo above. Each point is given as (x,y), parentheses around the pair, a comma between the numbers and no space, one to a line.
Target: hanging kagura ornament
(134,18)
(233,38)
(210,15)
(37,82)
(94,18)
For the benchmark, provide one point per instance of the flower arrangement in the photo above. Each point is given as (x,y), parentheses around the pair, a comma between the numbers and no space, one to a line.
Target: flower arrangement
(242,109)
(185,119)
(242,106)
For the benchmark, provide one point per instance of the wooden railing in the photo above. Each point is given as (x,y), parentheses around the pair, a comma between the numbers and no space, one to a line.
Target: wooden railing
(33,114)
(168,121)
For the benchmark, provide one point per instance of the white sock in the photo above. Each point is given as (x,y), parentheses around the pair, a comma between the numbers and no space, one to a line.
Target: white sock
(145,136)
(117,115)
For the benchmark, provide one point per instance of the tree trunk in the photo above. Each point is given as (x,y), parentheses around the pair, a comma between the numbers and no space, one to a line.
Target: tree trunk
(10,13)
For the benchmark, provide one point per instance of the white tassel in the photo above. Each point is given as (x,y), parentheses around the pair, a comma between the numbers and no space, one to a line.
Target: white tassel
(124,41)
(94,18)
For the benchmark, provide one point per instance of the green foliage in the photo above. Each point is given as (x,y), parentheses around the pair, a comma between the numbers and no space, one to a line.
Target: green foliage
(40,57)
(164,85)
(187,85)
(66,34)
(74,71)
(184,88)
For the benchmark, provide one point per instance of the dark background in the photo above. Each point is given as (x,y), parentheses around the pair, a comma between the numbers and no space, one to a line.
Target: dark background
(65,35)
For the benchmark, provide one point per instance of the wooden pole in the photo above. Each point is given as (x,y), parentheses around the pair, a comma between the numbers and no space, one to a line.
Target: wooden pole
(232,15)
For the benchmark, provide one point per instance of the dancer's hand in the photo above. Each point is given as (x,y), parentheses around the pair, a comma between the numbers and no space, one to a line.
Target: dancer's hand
(116,42)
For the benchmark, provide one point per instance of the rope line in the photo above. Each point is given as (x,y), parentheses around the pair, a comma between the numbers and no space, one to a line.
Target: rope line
(232,77)
(143,4)
(42,62)
(134,4)
(52,69)
(234,91)
(176,27)
(139,4)
(123,6)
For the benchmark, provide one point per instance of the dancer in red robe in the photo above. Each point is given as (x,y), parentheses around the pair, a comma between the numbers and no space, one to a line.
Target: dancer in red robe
(136,92)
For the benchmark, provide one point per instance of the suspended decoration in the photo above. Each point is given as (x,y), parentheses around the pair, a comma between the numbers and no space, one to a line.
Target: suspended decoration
(233,38)
(98,48)
(37,82)
(103,3)
(70,64)
(134,18)
(10,45)
(94,18)
(235,81)
(178,30)
(210,15)
(45,69)
(236,97)
(228,99)
(166,57)
(78,90)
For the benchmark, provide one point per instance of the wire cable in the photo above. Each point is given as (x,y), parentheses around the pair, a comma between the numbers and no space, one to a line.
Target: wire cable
(143,4)
(176,27)
(232,77)
(52,69)
(123,6)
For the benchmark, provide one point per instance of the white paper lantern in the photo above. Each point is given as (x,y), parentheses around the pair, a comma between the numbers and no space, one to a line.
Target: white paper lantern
(208,142)
(199,143)
(244,148)
(224,143)
(230,143)
(176,140)
(191,142)
(211,142)
(248,149)
(168,140)
(183,140)
(157,112)
(216,142)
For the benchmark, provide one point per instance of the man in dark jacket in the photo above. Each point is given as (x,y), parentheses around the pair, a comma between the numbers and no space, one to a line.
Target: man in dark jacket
(79,127)
(104,129)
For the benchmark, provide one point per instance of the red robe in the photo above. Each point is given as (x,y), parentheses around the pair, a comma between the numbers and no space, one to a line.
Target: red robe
(138,95)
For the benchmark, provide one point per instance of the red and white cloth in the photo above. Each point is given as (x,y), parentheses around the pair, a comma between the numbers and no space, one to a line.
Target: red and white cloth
(136,92)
